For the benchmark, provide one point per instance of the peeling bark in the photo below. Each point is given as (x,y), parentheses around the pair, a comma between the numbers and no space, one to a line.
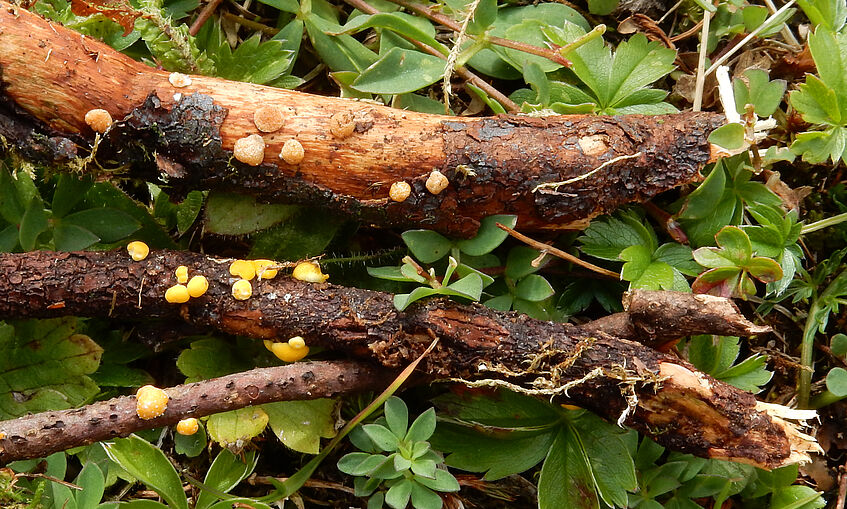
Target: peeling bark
(660,395)
(50,77)
(39,435)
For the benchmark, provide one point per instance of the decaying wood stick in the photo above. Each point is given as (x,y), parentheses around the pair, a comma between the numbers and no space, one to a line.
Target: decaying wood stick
(621,380)
(51,76)
(39,435)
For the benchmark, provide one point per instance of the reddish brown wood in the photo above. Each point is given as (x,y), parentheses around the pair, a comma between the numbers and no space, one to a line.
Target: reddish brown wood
(52,76)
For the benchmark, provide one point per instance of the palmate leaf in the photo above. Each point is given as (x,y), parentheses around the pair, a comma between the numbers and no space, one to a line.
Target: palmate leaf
(253,60)
(45,366)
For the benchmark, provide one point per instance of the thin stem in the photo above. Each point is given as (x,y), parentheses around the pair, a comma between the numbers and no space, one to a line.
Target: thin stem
(204,16)
(807,349)
(824,223)
(475,80)
(749,37)
(446,21)
(253,25)
(546,248)
(701,62)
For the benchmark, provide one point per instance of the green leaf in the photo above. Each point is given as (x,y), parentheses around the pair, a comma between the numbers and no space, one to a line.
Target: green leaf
(836,381)
(253,61)
(33,224)
(734,244)
(107,223)
(498,452)
(748,375)
(103,194)
(400,71)
(396,416)
(602,7)
(489,236)
(566,479)
(533,288)
(11,204)
(226,471)
(838,345)
(469,286)
(423,427)
(306,233)
(519,262)
(702,201)
(236,214)
(236,427)
(8,238)
(609,459)
(818,147)
(797,497)
(443,481)
(212,357)
(763,94)
(300,425)
(398,495)
(729,136)
(426,245)
(381,436)
(191,445)
(608,236)
(403,300)
(92,482)
(69,191)
(829,13)
(339,53)
(149,465)
(291,6)
(414,27)
(70,237)
(188,210)
(33,345)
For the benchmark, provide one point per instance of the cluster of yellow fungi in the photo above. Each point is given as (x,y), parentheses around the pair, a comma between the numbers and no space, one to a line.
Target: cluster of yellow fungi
(251,149)
(150,402)
(247,270)
(291,351)
(186,288)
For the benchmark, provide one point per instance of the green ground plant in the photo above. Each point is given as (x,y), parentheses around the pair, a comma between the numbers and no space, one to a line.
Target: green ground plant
(742,232)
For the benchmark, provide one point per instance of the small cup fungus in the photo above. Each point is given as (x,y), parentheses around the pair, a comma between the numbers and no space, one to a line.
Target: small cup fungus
(98,119)
(244,269)
(150,402)
(399,191)
(309,272)
(181,274)
(292,351)
(342,124)
(242,289)
(197,286)
(177,294)
(137,250)
(292,152)
(250,150)
(269,118)
(187,426)
(262,269)
(179,80)
(436,182)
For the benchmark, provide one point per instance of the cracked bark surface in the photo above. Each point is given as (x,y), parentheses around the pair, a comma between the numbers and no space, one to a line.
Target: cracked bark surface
(658,394)
(51,76)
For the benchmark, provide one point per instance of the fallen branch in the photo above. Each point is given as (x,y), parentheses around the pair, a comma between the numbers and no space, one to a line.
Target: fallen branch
(621,380)
(51,77)
(39,435)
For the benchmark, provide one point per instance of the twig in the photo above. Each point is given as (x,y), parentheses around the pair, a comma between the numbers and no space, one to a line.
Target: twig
(204,16)
(546,248)
(446,21)
(701,62)
(41,434)
(461,71)
(747,39)
(253,25)
(842,487)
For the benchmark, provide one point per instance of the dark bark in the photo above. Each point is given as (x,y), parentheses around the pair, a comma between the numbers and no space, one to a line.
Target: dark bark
(40,435)
(658,394)
(52,76)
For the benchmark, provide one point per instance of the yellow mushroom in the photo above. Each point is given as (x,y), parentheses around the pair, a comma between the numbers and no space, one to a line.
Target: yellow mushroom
(137,250)
(98,120)
(181,274)
(436,182)
(197,286)
(309,272)
(268,344)
(242,289)
(262,269)
(244,269)
(177,294)
(292,152)
(269,118)
(399,191)
(285,352)
(150,402)
(342,124)
(187,426)
(297,342)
